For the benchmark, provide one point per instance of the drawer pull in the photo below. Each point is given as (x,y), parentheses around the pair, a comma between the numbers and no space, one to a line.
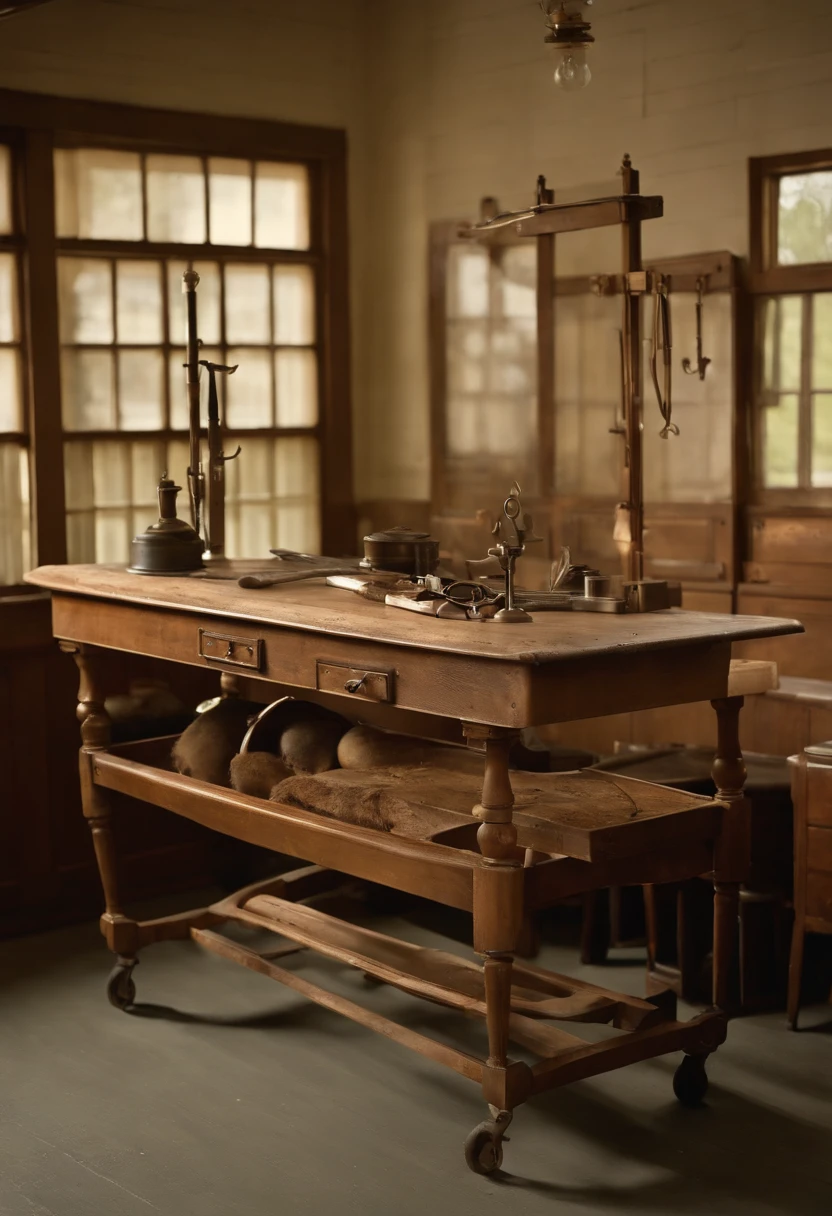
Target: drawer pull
(231,649)
(356,681)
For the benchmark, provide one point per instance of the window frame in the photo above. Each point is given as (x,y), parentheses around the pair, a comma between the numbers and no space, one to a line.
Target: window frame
(769,280)
(34,125)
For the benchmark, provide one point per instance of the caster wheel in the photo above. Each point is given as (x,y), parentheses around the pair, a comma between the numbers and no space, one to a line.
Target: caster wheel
(121,991)
(690,1081)
(484,1149)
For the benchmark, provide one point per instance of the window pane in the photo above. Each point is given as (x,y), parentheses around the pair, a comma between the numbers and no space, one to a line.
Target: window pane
(229,194)
(207,302)
(517,280)
(98,194)
(281,206)
(9,331)
(250,530)
(112,536)
(782,343)
(111,474)
(87,390)
(252,476)
(5,190)
(139,302)
(248,393)
(247,308)
(78,476)
(179,415)
(85,300)
(294,305)
(298,526)
(11,405)
(15,538)
(822,439)
(297,387)
(176,199)
(822,341)
(296,463)
(780,424)
(140,390)
(468,281)
(804,218)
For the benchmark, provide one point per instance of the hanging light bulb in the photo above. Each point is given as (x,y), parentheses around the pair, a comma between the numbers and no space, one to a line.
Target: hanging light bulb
(570,34)
(572,73)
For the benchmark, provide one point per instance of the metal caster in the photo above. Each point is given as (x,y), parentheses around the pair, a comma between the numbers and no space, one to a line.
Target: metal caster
(121,991)
(690,1081)
(484,1146)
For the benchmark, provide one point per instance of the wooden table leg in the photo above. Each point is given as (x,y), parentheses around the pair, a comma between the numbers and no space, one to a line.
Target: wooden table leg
(498,920)
(732,848)
(121,932)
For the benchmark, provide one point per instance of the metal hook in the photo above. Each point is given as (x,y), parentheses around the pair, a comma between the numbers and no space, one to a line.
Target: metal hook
(701,361)
(662,341)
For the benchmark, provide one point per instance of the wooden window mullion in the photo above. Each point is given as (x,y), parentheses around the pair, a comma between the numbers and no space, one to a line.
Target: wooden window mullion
(805,426)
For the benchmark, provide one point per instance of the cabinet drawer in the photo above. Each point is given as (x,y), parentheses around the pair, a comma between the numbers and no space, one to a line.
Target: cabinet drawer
(820,850)
(819,895)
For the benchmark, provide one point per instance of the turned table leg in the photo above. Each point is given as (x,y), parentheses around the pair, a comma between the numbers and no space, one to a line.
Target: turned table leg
(120,931)
(731,853)
(498,922)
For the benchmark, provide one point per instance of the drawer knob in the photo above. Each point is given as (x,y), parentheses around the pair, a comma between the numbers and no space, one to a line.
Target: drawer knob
(355,685)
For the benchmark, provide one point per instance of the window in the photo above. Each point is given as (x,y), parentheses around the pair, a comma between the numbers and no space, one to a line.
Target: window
(791,208)
(257,209)
(15,546)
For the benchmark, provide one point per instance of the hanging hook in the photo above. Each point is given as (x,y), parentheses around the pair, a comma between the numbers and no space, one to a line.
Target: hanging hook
(701,361)
(662,341)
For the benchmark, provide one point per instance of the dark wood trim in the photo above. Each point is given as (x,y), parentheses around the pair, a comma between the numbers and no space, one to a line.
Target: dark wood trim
(43,345)
(83,247)
(169,435)
(546,355)
(792,280)
(111,123)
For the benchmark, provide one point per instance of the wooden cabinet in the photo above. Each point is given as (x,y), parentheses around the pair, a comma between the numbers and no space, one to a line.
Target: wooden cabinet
(812,797)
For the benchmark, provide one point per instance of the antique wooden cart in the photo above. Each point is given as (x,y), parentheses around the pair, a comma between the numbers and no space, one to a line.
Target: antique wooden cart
(565,834)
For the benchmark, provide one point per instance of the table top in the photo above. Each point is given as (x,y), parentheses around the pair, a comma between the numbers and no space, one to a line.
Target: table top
(312,606)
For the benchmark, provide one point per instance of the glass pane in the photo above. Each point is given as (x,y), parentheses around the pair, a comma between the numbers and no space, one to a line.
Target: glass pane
(98,194)
(780,425)
(111,477)
(9,322)
(822,439)
(252,476)
(294,305)
(296,465)
(112,536)
(5,190)
(468,281)
(588,394)
(11,405)
(78,476)
(822,341)
(248,393)
(140,389)
(251,531)
(87,390)
(782,343)
(296,373)
(15,538)
(281,206)
(229,193)
(804,218)
(139,302)
(176,199)
(179,414)
(85,300)
(80,537)
(207,302)
(467,351)
(298,527)
(247,305)
(517,280)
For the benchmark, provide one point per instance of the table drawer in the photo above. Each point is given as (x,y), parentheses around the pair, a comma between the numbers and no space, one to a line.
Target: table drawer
(819,895)
(231,648)
(820,850)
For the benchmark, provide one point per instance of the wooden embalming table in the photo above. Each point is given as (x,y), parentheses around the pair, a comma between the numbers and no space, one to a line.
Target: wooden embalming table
(562,834)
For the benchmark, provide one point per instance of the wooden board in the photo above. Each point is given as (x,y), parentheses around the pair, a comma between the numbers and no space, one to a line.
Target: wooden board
(314,607)
(589,815)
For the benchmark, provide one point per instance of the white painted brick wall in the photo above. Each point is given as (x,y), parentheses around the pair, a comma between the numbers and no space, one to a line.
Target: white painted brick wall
(447,100)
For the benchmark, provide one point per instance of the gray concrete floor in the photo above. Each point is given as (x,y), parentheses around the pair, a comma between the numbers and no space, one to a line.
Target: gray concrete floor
(228,1094)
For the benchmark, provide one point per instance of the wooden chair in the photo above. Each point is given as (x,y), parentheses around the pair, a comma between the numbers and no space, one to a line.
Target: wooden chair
(812,797)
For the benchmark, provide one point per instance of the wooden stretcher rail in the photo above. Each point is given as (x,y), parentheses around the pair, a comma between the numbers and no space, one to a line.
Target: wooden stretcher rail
(420,868)
(459,1061)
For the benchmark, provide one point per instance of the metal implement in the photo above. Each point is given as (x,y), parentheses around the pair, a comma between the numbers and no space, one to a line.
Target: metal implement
(514,531)
(702,361)
(215,482)
(402,550)
(662,342)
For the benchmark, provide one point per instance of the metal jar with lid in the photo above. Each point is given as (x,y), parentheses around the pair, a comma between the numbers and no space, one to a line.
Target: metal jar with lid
(402,551)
